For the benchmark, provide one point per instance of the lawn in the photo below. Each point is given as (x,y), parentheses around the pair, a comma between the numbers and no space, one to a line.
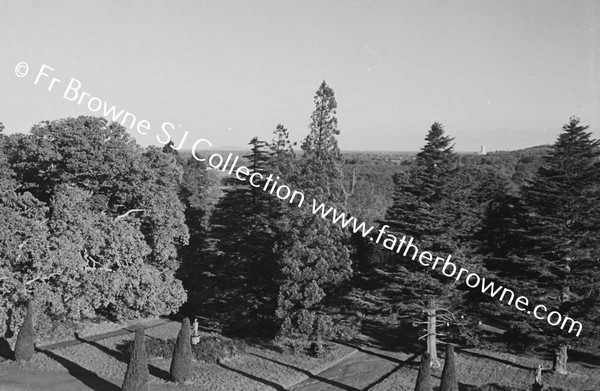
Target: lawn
(261,367)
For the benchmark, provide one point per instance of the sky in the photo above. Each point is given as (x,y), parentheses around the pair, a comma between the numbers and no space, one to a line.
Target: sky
(504,74)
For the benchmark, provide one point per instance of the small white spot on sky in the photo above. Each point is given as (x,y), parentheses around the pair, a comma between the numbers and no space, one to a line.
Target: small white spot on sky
(489,102)
(376,60)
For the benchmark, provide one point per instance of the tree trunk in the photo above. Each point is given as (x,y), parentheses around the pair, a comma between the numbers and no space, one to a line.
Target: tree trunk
(431,334)
(560,360)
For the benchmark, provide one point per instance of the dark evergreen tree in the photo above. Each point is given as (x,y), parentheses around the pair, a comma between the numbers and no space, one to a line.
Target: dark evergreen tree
(245,225)
(564,203)
(429,206)
(282,157)
(137,374)
(170,148)
(423,204)
(199,191)
(181,363)
(449,381)
(424,376)
(321,173)
(25,345)
(544,244)
(315,260)
(564,200)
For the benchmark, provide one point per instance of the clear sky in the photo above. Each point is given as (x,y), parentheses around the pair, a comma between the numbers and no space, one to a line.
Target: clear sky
(505,74)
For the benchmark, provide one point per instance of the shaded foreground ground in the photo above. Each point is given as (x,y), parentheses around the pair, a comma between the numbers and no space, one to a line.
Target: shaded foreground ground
(97,364)
(376,364)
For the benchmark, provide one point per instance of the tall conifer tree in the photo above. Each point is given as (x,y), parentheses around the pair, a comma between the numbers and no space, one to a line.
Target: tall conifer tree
(545,243)
(564,222)
(422,203)
(425,207)
(315,259)
(245,226)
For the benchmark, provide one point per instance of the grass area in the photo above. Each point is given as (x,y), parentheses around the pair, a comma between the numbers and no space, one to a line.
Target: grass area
(258,367)
(477,367)
(231,365)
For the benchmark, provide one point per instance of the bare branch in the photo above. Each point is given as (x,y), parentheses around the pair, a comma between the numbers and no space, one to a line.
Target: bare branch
(42,278)
(23,244)
(121,217)
(93,269)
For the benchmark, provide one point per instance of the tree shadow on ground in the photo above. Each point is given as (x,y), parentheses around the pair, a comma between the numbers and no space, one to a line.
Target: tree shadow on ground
(154,371)
(6,352)
(87,377)
(409,361)
(492,358)
(461,387)
(391,338)
(405,339)
(586,358)
(253,377)
(307,373)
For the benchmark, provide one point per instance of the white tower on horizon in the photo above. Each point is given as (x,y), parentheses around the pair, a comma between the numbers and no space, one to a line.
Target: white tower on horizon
(483,151)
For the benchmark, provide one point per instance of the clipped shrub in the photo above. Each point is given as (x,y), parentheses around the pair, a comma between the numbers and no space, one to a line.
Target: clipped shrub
(317,349)
(25,347)
(424,377)
(290,345)
(449,381)
(136,377)
(181,364)
(155,347)
(212,349)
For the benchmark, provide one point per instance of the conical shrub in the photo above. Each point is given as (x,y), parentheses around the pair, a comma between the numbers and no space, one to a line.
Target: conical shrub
(24,347)
(449,381)
(136,377)
(424,377)
(181,364)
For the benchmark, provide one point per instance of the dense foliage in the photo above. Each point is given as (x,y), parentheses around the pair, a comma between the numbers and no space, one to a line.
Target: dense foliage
(95,225)
(92,224)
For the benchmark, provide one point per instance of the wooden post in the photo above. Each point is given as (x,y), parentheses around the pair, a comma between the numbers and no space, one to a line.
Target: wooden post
(538,385)
(431,334)
(560,360)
